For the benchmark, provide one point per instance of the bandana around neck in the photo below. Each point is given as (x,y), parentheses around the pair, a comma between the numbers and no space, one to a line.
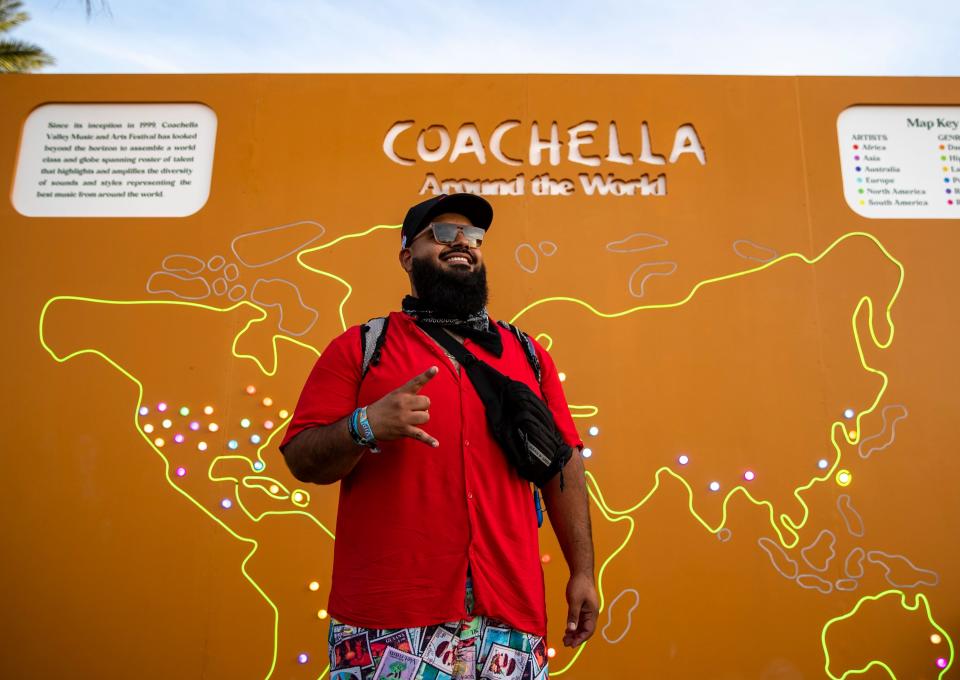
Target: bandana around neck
(477,327)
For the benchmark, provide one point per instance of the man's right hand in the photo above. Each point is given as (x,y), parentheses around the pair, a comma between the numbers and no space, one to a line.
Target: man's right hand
(398,413)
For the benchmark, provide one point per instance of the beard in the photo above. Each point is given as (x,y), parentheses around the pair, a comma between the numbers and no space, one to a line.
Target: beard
(455,294)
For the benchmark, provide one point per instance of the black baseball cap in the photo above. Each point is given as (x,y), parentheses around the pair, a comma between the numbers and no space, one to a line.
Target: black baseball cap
(471,206)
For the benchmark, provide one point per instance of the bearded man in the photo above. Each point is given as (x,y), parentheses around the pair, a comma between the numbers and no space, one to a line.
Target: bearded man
(437,564)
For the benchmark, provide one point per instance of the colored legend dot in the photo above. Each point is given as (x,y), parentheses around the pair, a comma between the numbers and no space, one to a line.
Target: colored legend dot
(562,376)
(749,476)
(302,658)
(856,158)
(823,464)
(849,413)
(245,422)
(178,438)
(948,191)
(194,426)
(949,202)
(267,401)
(159,441)
(856,146)
(202,446)
(232,444)
(861,202)
(860,180)
(213,427)
(942,147)
(683,459)
(284,413)
(860,190)
(587,452)
(144,410)
(258,466)
(314,586)
(251,389)
(946,179)
(714,486)
(161,407)
(148,428)
(844,478)
(181,472)
(167,423)
(322,614)
(936,639)
(943,158)
(184,411)
(858,168)
(208,410)
(945,168)
(594,431)
(226,504)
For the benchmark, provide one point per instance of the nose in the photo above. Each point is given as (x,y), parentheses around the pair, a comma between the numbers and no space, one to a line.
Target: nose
(461,239)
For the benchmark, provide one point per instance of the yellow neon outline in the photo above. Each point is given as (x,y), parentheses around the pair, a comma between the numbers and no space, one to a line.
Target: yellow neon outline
(918,599)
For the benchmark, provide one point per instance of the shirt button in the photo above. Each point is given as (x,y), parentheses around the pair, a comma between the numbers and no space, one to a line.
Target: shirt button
(466,442)
(470,495)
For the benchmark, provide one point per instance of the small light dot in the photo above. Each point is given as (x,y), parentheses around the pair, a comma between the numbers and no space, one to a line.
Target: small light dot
(551,652)
(251,389)
(714,486)
(322,614)
(208,410)
(144,410)
(202,446)
(587,452)
(194,426)
(258,466)
(936,639)
(749,476)
(594,430)
(226,504)
(844,478)
(823,463)
(683,459)
(213,427)
(545,559)
(314,586)
(232,444)
(254,439)
(181,471)
(268,424)
(941,662)
(159,441)
(849,413)
(284,413)
(562,376)
(184,411)
(274,489)
(148,428)
(297,497)
(161,407)
(245,422)
(167,423)
(267,401)
(303,658)
(178,438)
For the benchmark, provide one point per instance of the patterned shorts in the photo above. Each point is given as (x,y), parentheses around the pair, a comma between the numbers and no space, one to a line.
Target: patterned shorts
(476,648)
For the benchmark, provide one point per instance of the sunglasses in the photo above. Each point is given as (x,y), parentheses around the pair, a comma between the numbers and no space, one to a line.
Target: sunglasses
(446,233)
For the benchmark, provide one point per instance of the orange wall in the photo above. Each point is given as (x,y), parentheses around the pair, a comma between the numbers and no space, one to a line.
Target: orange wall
(116,567)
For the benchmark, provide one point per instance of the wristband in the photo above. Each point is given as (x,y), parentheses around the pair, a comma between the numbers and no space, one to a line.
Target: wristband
(369,439)
(352,428)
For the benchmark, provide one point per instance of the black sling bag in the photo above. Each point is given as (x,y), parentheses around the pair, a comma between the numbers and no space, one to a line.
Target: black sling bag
(519,420)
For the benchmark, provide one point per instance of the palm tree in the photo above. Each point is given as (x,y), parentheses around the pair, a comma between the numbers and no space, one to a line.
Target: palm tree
(16,55)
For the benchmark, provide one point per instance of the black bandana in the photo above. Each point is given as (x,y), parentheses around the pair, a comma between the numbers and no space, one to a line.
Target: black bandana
(478,327)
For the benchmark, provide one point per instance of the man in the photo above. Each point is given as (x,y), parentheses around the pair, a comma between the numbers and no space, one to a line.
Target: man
(437,563)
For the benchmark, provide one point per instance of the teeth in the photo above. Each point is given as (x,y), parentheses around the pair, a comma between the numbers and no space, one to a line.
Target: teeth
(458,258)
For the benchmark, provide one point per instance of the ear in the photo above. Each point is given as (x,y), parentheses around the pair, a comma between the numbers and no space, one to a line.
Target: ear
(406,259)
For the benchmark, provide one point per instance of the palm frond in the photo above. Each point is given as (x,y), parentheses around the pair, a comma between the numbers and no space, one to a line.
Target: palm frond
(17,56)
(10,15)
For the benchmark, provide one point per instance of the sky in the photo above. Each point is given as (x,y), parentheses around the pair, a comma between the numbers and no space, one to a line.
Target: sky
(778,37)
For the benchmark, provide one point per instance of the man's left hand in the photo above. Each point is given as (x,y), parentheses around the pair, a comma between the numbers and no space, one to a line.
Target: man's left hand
(582,609)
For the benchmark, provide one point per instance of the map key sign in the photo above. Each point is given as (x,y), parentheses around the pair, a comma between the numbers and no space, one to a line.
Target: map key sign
(742,282)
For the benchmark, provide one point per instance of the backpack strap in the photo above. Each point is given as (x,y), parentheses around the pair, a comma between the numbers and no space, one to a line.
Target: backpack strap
(528,348)
(372,335)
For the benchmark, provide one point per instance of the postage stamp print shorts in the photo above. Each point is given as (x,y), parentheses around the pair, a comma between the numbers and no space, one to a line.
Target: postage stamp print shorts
(476,648)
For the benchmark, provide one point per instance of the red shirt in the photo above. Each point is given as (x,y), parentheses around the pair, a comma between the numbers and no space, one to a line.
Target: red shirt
(412,518)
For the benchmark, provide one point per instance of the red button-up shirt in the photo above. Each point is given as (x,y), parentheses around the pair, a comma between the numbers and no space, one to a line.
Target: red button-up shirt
(412,518)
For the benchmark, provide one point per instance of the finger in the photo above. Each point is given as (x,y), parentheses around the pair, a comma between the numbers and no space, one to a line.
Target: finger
(417,382)
(420,435)
(418,417)
(418,403)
